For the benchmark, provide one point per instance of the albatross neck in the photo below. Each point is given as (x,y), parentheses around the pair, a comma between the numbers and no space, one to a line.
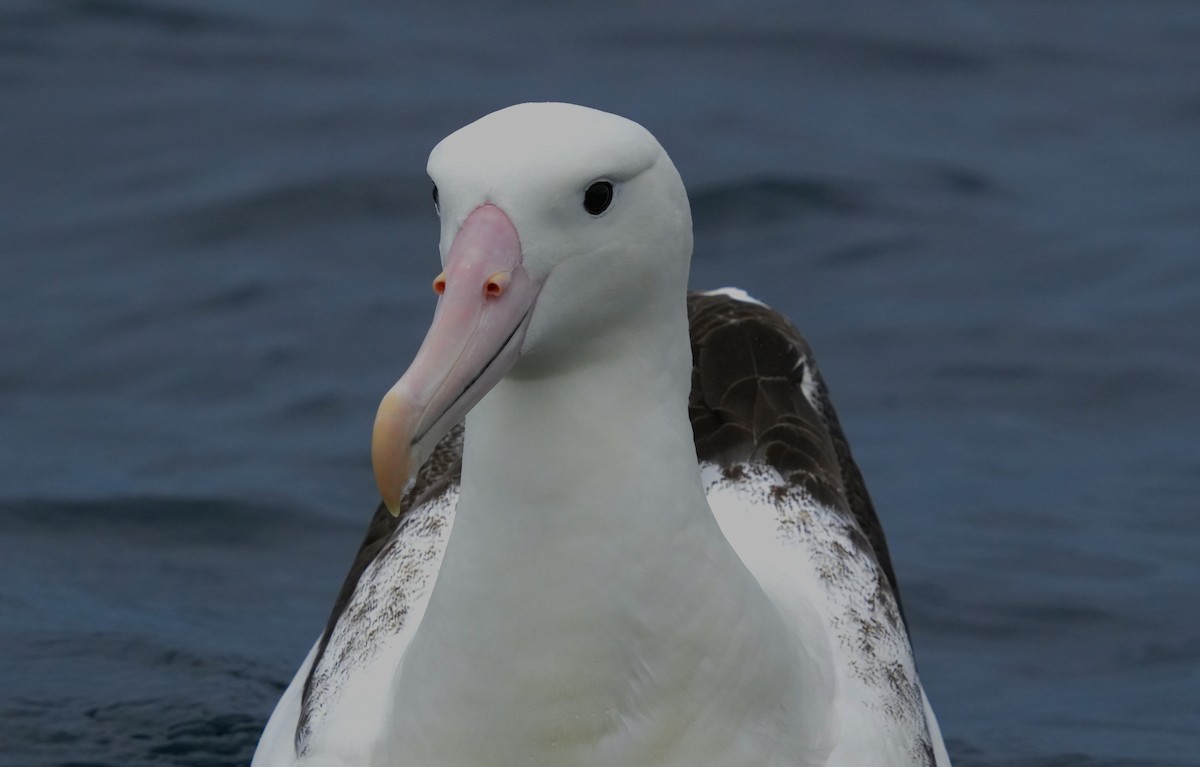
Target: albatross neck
(596,439)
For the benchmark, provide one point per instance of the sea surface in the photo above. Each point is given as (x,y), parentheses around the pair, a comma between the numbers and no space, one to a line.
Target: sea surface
(216,244)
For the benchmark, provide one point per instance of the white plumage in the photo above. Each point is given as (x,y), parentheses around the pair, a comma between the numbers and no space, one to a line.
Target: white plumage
(573,586)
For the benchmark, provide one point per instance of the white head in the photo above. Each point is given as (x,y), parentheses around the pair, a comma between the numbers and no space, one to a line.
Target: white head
(559,223)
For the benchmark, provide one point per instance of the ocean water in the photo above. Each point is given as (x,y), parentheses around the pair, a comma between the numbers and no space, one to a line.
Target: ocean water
(217,240)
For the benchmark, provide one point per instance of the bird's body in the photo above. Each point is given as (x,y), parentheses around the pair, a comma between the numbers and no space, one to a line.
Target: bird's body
(649,545)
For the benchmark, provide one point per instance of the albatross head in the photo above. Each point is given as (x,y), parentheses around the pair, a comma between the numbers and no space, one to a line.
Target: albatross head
(559,225)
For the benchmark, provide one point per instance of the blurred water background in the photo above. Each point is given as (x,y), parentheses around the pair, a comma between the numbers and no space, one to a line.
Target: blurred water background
(217,241)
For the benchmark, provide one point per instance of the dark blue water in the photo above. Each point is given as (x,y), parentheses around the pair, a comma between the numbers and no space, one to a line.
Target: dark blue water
(217,243)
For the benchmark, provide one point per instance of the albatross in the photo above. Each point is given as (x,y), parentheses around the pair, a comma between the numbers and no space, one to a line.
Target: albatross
(621,525)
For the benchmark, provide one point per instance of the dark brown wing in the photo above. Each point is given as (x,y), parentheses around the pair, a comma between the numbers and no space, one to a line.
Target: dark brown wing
(757,396)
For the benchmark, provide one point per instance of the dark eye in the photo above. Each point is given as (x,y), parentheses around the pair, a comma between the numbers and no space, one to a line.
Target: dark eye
(598,197)
(436,205)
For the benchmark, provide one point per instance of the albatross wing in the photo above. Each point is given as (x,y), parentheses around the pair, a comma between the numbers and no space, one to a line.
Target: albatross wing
(785,489)
(338,704)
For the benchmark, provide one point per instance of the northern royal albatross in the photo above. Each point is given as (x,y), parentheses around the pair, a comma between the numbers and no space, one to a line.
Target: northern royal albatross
(639,551)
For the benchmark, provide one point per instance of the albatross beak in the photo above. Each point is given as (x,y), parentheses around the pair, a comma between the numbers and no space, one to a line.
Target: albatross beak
(476,335)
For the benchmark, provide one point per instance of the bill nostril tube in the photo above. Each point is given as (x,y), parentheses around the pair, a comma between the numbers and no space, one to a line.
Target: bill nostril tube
(496,284)
(439,284)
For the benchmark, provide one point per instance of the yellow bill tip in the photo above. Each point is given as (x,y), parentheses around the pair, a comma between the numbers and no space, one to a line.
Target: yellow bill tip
(390,450)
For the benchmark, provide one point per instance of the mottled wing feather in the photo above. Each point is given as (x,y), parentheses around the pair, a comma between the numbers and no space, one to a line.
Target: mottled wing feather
(443,468)
(439,475)
(758,397)
(784,488)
